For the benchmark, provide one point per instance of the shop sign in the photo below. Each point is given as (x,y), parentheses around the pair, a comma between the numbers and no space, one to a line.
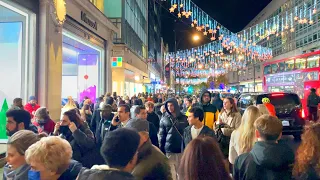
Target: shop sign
(88,21)
(118,53)
(116,62)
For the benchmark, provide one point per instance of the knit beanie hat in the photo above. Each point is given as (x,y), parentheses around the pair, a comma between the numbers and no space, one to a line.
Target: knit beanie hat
(32,98)
(119,147)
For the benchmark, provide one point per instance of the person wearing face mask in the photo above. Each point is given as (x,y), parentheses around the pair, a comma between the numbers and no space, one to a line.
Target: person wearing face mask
(17,120)
(43,122)
(152,163)
(79,135)
(16,167)
(50,159)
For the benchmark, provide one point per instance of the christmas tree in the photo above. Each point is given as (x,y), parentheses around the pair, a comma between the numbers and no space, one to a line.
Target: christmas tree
(3,120)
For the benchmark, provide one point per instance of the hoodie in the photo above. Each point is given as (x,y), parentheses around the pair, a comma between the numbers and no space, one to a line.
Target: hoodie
(171,129)
(104,172)
(266,161)
(211,113)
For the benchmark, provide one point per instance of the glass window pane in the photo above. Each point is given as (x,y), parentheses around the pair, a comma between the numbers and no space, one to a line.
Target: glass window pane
(274,68)
(300,63)
(267,69)
(289,65)
(313,61)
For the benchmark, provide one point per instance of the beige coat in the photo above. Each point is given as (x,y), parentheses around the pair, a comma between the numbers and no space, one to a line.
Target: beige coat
(234,149)
(232,122)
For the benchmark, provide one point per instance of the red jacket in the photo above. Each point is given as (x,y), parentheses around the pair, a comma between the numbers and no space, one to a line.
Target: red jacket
(31,109)
(271,109)
(48,127)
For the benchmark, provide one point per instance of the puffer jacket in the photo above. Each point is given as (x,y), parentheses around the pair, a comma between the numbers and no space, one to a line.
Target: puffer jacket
(104,172)
(171,129)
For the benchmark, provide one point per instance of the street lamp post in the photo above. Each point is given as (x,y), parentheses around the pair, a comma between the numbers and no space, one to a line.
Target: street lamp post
(195,37)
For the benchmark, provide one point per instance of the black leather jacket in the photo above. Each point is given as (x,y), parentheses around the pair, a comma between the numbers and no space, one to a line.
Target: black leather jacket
(171,129)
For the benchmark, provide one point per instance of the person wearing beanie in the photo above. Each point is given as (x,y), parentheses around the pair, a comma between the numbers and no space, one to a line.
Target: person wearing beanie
(43,122)
(32,106)
(16,167)
(152,163)
(120,152)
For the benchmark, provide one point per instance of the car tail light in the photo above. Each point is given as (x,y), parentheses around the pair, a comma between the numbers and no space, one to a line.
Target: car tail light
(277,94)
(302,114)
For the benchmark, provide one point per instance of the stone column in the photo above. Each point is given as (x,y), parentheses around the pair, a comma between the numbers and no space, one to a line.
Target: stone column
(50,59)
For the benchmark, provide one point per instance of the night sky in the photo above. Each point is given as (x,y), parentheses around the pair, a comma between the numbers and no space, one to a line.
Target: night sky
(232,14)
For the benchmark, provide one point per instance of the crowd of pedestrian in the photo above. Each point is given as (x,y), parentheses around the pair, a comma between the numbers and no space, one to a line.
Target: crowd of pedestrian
(155,136)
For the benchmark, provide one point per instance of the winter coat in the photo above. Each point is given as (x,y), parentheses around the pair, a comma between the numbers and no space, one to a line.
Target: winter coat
(154,118)
(72,172)
(83,145)
(171,129)
(211,113)
(313,100)
(20,173)
(152,164)
(266,161)
(31,109)
(153,133)
(206,131)
(104,172)
(231,122)
(234,149)
(271,109)
(99,126)
(47,127)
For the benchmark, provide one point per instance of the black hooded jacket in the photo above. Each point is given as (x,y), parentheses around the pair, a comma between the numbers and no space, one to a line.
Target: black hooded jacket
(266,161)
(171,129)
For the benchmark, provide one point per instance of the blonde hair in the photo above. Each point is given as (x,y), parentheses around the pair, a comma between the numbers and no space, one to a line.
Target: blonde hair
(70,104)
(263,109)
(53,152)
(246,129)
(23,139)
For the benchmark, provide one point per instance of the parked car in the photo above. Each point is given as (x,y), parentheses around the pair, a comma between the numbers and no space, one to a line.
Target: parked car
(288,109)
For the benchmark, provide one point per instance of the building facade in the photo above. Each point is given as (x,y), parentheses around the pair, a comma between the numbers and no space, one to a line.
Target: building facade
(154,47)
(304,39)
(130,45)
(54,49)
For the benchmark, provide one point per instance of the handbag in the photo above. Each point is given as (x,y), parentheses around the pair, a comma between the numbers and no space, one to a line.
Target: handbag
(223,140)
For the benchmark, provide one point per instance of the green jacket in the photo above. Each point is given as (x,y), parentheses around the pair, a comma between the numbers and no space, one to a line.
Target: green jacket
(152,164)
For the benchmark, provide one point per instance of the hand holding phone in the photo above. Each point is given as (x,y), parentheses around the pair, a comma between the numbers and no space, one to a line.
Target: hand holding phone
(115,121)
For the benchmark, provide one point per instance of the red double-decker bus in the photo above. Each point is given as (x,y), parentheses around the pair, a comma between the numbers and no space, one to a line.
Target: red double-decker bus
(296,74)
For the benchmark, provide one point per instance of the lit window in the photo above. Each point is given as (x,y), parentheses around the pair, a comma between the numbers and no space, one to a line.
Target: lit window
(313,61)
(300,63)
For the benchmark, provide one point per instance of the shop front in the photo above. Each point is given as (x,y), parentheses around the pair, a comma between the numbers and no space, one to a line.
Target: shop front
(75,40)
(17,54)
(251,86)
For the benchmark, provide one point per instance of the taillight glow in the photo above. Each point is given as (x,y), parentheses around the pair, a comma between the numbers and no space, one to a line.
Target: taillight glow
(278,94)
(303,115)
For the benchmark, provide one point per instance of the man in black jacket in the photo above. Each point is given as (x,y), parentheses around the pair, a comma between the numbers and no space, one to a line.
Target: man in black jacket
(152,116)
(172,125)
(268,159)
(141,113)
(196,128)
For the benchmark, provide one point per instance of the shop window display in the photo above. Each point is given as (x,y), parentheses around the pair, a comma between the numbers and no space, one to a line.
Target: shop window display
(81,68)
(15,39)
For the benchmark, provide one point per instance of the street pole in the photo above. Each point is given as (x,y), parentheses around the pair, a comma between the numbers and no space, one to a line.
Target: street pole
(175,62)
(254,77)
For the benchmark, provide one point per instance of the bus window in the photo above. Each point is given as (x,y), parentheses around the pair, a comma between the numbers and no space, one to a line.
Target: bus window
(281,66)
(289,65)
(300,63)
(267,70)
(275,68)
(313,61)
